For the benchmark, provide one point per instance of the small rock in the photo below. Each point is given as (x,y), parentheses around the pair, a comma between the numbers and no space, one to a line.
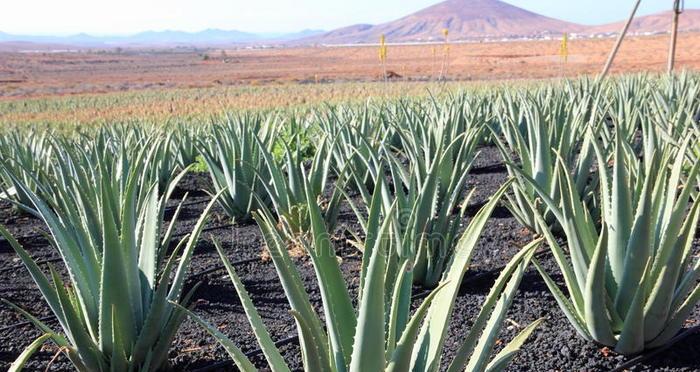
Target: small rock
(566,352)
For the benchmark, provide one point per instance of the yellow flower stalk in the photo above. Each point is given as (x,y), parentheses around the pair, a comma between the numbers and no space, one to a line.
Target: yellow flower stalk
(382,54)
(564,48)
(445,53)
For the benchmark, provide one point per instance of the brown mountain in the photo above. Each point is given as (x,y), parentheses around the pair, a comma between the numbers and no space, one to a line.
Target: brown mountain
(464,19)
(660,22)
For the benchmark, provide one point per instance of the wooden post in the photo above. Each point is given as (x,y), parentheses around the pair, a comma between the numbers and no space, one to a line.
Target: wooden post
(674,35)
(613,53)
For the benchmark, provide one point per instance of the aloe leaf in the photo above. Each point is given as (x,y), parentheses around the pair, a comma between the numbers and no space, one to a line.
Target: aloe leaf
(596,315)
(27,353)
(118,361)
(38,276)
(315,358)
(432,335)
(677,319)
(126,226)
(315,343)
(689,279)
(183,266)
(638,251)
(372,235)
(340,315)
(241,361)
(518,262)
(113,287)
(272,354)
(496,311)
(148,252)
(401,357)
(505,356)
(564,303)
(574,286)
(84,271)
(155,318)
(400,304)
(369,340)
(619,219)
(657,309)
(75,329)
(158,355)
(631,339)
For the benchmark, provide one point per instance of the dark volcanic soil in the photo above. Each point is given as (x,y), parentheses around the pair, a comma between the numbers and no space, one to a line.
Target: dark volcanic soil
(553,347)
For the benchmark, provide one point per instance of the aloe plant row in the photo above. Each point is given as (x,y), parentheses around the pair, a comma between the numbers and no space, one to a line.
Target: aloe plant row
(24,159)
(290,182)
(233,153)
(379,334)
(611,166)
(535,130)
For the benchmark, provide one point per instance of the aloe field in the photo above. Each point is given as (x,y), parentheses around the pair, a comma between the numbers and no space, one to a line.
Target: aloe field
(549,226)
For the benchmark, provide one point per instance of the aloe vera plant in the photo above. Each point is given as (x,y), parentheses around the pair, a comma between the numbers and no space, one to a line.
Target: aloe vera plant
(535,129)
(184,144)
(632,282)
(428,191)
(24,158)
(380,334)
(355,134)
(289,182)
(674,111)
(233,155)
(114,307)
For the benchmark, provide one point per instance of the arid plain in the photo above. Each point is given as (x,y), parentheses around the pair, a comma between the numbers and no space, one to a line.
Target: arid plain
(24,74)
(94,86)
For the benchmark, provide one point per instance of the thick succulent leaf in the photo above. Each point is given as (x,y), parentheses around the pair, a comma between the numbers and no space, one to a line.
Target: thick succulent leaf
(40,279)
(689,279)
(241,361)
(619,212)
(658,306)
(27,353)
(149,252)
(272,354)
(369,340)
(372,235)
(517,263)
(638,251)
(118,361)
(482,351)
(400,304)
(574,286)
(83,269)
(127,238)
(432,335)
(314,341)
(677,320)
(337,306)
(400,360)
(315,357)
(89,351)
(158,355)
(631,339)
(580,238)
(158,310)
(113,287)
(564,303)
(501,361)
(596,315)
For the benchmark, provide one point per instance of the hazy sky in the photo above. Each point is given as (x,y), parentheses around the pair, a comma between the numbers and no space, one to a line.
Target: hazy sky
(130,16)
